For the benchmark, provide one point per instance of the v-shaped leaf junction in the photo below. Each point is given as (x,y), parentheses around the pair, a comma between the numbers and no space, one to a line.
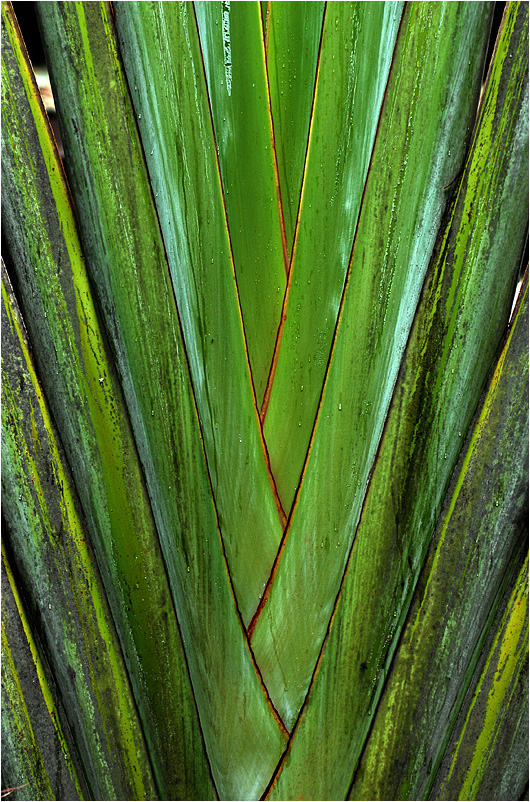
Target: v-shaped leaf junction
(349,148)
(288,165)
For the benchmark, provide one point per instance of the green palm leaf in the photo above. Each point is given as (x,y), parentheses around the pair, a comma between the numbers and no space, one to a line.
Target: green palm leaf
(81,380)
(372,331)
(474,570)
(264,443)
(53,558)
(244,138)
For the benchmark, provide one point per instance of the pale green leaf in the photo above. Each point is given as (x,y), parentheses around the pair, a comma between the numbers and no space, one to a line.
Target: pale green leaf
(232,46)
(171,101)
(411,158)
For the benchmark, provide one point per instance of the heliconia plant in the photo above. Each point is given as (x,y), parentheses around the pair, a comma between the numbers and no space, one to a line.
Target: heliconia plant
(265,402)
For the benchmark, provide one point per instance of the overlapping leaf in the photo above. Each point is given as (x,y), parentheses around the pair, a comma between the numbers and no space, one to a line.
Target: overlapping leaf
(232,43)
(64,589)
(487,755)
(259,189)
(80,379)
(481,534)
(171,100)
(457,330)
(53,757)
(357,45)
(125,256)
(386,276)
(293,36)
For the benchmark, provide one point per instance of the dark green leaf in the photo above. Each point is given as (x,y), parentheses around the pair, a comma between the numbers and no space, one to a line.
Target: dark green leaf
(80,379)
(482,526)
(64,590)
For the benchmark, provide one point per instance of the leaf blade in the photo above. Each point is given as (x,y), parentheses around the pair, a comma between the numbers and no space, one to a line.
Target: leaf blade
(361,641)
(63,584)
(493,739)
(294,32)
(479,532)
(193,225)
(369,345)
(138,304)
(61,760)
(231,41)
(339,150)
(80,379)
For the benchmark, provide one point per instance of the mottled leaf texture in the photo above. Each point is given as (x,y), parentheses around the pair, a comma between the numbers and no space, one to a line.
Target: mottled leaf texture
(61,581)
(54,759)
(484,523)
(80,379)
(487,755)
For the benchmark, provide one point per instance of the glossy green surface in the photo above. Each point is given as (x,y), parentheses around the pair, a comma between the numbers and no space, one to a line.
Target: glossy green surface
(58,758)
(488,754)
(125,254)
(451,349)
(386,277)
(293,40)
(231,40)
(81,382)
(357,48)
(481,527)
(175,126)
(62,585)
